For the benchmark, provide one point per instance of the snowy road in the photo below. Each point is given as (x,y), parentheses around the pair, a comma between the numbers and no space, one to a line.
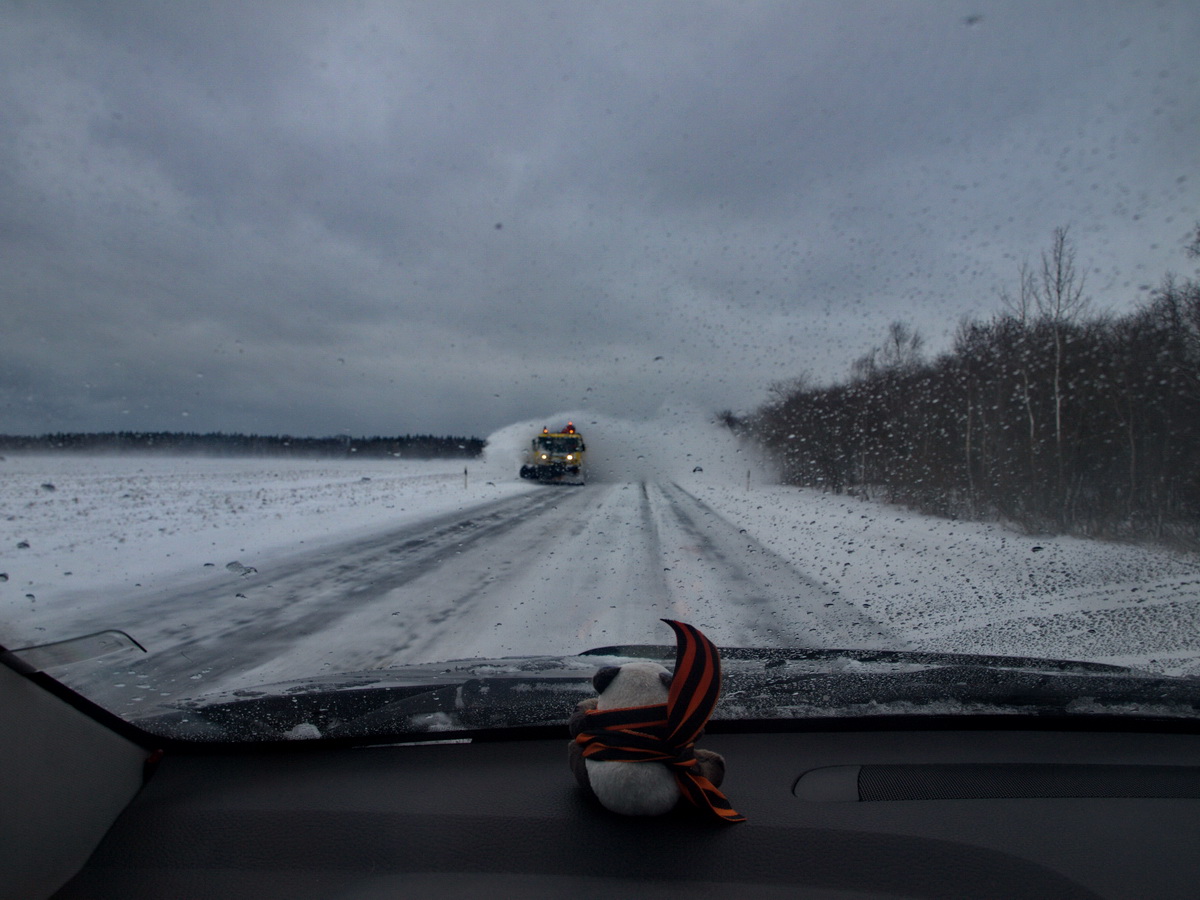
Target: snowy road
(557,570)
(366,563)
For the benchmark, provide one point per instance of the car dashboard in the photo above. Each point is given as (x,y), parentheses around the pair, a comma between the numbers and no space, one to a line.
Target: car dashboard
(917,808)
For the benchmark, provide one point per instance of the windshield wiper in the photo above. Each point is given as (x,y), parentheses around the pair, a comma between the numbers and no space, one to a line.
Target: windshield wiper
(783,656)
(40,657)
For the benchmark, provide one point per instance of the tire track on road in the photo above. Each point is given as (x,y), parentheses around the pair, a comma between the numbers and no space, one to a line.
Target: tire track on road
(750,595)
(210,633)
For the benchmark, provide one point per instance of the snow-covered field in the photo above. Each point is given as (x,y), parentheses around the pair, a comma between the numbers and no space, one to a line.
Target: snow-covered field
(77,530)
(969,587)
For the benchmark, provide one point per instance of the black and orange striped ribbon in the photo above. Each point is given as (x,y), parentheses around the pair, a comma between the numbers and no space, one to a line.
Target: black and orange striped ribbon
(667,732)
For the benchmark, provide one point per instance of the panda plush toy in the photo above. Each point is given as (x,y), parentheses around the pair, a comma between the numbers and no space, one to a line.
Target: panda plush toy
(633,746)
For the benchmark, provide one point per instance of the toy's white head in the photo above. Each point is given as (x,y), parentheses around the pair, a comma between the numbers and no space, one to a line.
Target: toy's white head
(633,684)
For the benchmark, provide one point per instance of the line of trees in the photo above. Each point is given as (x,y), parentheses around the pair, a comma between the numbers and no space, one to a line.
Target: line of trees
(1045,415)
(418,446)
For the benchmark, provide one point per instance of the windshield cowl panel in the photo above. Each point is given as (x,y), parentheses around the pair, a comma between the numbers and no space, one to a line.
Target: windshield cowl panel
(482,697)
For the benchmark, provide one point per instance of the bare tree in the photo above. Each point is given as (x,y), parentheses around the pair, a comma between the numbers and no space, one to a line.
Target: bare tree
(785,388)
(866,366)
(1021,309)
(1193,245)
(901,351)
(902,347)
(1058,294)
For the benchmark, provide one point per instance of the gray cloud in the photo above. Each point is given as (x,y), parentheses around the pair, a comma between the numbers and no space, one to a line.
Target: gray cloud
(322,217)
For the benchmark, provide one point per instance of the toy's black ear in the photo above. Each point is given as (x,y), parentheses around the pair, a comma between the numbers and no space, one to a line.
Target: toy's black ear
(665,678)
(603,678)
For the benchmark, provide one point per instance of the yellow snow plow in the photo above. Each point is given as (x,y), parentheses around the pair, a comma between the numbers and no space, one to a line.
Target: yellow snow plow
(556,456)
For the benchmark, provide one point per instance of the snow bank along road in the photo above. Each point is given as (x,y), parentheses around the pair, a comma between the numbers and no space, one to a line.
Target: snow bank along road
(554,570)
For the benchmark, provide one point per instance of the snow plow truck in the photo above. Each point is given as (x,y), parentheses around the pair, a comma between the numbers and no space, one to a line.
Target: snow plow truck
(556,456)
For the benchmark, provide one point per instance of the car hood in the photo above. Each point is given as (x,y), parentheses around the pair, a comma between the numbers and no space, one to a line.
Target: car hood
(463,699)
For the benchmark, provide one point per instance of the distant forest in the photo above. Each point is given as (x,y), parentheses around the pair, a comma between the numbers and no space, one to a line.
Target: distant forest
(418,446)
(1046,415)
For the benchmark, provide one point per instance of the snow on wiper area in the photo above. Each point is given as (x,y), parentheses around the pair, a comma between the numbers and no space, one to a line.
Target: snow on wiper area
(474,698)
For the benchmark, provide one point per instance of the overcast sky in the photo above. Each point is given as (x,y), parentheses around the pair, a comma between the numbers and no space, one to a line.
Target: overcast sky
(382,218)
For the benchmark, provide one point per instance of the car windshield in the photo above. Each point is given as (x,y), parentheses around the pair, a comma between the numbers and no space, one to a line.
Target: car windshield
(880,324)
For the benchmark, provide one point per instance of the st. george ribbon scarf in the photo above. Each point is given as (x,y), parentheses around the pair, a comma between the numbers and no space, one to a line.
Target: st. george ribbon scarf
(666,732)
